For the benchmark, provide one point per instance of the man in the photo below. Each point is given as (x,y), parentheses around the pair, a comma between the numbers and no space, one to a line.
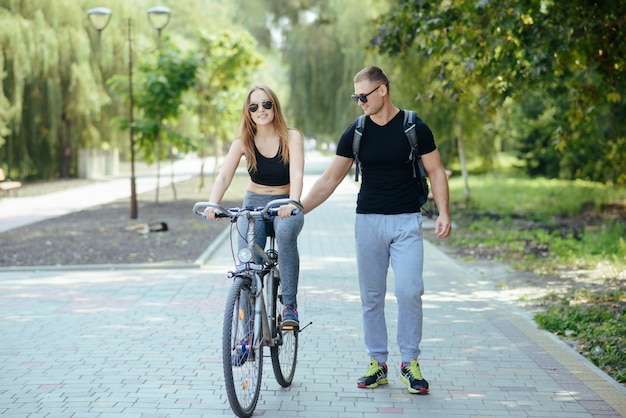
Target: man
(388,226)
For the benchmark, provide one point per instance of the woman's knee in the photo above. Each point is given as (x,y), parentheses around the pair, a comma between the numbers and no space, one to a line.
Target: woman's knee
(288,229)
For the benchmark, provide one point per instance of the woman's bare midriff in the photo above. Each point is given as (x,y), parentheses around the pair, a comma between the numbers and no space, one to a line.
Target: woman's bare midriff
(268,190)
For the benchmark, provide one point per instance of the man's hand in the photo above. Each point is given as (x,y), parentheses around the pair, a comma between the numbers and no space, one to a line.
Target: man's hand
(286,211)
(443,226)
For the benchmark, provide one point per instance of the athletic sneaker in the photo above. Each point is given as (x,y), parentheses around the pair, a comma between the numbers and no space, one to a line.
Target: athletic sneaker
(376,375)
(412,377)
(290,316)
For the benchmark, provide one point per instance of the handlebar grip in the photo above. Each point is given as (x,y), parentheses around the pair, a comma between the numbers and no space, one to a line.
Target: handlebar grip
(274,212)
(200,207)
(217,215)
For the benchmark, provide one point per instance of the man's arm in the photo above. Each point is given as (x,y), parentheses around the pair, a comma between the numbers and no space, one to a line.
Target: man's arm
(441,194)
(327,183)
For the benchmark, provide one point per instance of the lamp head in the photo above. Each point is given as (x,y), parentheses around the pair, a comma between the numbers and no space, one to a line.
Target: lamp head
(159,17)
(99,17)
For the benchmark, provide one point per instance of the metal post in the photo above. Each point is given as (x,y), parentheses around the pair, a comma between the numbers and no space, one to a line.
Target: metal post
(133,189)
(99,18)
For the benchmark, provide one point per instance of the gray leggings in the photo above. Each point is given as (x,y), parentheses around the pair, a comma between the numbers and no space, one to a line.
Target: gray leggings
(286,231)
(379,240)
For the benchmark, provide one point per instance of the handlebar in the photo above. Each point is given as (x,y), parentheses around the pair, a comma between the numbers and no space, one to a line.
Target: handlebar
(271,209)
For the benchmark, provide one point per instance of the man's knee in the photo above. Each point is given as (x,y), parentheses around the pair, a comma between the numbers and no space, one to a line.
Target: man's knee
(411,293)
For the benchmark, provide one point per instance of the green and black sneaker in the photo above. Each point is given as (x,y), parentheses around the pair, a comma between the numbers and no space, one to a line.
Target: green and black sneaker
(412,377)
(376,375)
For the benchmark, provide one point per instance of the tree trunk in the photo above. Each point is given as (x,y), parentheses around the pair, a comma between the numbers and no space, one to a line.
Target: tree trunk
(459,141)
(172,182)
(201,180)
(65,148)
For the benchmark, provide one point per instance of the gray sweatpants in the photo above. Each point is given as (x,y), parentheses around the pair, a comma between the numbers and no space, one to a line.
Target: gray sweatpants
(287,231)
(379,240)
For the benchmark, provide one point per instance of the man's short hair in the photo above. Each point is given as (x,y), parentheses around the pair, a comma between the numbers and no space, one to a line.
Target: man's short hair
(372,73)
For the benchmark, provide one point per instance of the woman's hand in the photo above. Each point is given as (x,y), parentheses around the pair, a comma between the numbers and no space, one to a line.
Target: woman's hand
(210,214)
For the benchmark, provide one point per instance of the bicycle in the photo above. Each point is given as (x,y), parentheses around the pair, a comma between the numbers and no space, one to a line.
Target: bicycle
(253,313)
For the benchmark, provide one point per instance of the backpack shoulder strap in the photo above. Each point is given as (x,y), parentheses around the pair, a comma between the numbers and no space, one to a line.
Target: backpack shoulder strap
(410,121)
(356,143)
(409,130)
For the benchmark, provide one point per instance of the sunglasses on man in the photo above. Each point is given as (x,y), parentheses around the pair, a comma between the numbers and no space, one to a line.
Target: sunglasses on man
(363,97)
(267,105)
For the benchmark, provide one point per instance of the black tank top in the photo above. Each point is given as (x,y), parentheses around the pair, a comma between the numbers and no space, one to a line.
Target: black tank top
(269,171)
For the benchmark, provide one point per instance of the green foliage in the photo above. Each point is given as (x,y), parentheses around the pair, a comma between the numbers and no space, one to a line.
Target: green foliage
(159,92)
(49,95)
(54,67)
(519,220)
(566,53)
(312,65)
(538,197)
(229,61)
(560,64)
(323,43)
(529,133)
(597,323)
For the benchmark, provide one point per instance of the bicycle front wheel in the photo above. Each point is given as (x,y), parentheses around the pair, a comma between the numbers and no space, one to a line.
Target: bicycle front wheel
(284,351)
(243,365)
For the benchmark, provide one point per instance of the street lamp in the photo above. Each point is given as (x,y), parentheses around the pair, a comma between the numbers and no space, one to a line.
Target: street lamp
(159,17)
(99,17)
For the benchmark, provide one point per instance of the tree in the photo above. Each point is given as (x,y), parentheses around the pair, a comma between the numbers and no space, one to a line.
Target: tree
(569,50)
(159,88)
(315,69)
(229,61)
(54,66)
(49,91)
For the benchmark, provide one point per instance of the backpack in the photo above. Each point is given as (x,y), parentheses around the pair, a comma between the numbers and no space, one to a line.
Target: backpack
(414,157)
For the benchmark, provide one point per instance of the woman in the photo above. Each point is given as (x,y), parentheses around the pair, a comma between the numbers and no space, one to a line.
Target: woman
(275,157)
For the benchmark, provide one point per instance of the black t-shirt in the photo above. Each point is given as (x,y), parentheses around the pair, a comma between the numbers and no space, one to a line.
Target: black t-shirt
(387,186)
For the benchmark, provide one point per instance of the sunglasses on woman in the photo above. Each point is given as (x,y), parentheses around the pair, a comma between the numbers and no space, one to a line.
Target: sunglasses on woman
(267,105)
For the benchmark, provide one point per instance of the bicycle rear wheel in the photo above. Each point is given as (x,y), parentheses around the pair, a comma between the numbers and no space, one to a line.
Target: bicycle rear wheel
(284,352)
(243,365)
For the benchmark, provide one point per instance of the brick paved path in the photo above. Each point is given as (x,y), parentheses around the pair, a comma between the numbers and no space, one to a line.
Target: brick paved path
(146,343)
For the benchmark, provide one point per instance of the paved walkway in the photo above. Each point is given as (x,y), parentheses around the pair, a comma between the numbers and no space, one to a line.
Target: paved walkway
(20,211)
(146,343)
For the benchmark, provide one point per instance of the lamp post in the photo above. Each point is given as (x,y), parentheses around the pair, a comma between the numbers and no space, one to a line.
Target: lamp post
(159,17)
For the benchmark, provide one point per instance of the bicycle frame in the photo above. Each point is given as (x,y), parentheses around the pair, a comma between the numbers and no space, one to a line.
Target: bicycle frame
(262,279)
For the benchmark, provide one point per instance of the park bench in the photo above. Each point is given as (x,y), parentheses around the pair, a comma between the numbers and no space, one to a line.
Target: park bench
(6,186)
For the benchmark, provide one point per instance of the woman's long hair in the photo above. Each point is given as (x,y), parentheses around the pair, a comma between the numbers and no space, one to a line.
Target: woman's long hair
(249,128)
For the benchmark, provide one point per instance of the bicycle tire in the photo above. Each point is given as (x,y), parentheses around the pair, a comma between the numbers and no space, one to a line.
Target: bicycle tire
(243,366)
(284,352)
